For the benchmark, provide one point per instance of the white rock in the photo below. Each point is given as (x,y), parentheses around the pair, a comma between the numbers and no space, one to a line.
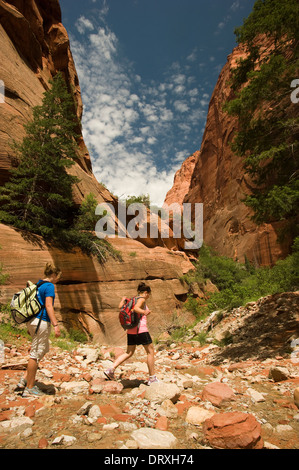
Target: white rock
(47,373)
(94,412)
(268,445)
(75,387)
(94,436)
(16,425)
(148,438)
(85,408)
(168,409)
(256,396)
(110,426)
(128,427)
(197,415)
(159,391)
(283,428)
(26,433)
(176,356)
(140,366)
(131,444)
(65,440)
(90,354)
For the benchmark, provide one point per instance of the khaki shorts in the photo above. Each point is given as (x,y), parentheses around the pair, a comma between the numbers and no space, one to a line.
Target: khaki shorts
(40,343)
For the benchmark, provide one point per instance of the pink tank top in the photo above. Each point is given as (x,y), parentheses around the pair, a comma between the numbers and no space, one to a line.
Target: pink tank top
(142,325)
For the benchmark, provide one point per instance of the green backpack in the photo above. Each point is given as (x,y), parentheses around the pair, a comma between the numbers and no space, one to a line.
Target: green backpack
(25,305)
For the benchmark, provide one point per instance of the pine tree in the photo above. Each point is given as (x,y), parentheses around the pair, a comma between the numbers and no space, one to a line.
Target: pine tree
(268,137)
(38,197)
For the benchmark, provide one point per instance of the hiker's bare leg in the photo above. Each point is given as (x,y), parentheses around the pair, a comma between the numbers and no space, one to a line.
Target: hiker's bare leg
(31,372)
(123,357)
(149,348)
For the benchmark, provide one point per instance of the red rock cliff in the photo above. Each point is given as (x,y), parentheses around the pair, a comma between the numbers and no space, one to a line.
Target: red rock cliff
(182,180)
(34,47)
(219,182)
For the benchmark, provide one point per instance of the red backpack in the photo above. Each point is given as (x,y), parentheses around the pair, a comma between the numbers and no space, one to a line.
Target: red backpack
(127,316)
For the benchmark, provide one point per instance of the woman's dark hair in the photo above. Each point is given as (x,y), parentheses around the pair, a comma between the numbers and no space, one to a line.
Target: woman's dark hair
(143,288)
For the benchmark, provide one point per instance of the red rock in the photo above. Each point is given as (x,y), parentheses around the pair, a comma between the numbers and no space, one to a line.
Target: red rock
(87,377)
(181,182)
(181,407)
(122,417)
(30,411)
(43,443)
(102,420)
(217,393)
(65,378)
(234,430)
(113,387)
(237,366)
(4,415)
(206,370)
(162,423)
(110,410)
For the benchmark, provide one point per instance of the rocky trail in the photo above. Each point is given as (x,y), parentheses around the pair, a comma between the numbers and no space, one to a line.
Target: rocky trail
(241,396)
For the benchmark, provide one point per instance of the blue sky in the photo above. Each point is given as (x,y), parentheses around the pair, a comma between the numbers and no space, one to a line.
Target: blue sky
(147,69)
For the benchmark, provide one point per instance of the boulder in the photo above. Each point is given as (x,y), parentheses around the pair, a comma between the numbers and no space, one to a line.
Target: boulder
(160,391)
(148,438)
(75,387)
(233,430)
(218,393)
(197,415)
(278,373)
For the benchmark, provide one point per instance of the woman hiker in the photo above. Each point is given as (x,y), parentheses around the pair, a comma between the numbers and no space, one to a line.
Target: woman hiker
(138,335)
(40,339)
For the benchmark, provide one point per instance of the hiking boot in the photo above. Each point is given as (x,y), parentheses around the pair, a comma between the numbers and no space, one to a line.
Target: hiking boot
(109,374)
(32,392)
(22,383)
(152,380)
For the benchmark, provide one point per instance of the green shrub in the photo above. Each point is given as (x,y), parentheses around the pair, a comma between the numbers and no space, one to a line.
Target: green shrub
(240,283)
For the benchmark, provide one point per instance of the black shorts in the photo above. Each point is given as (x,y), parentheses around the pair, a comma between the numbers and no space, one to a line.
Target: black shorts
(140,338)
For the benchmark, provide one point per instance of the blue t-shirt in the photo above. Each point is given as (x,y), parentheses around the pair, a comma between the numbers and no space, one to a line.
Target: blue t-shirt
(45,290)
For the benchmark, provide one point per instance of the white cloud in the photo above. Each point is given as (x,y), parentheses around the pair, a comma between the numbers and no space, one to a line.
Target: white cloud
(193,56)
(179,89)
(83,24)
(235,6)
(181,106)
(129,126)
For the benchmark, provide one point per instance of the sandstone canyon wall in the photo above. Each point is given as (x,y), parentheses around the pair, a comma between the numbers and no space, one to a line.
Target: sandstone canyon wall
(89,293)
(182,181)
(219,182)
(34,46)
